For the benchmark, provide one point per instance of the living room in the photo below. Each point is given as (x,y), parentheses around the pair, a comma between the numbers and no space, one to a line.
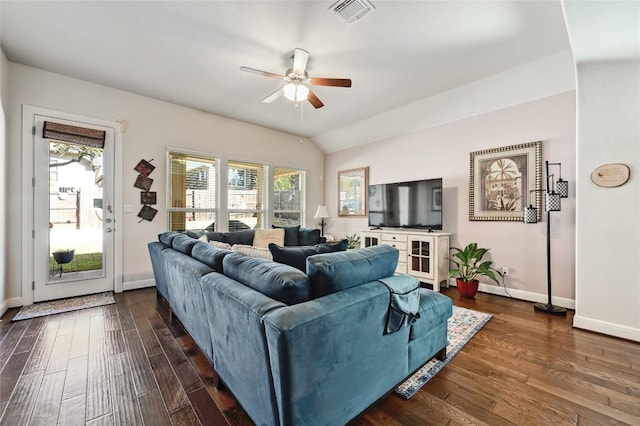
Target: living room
(582,124)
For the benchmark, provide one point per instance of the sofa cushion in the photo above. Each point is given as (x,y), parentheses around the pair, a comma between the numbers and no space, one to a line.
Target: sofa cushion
(166,238)
(297,256)
(195,233)
(215,236)
(280,282)
(183,243)
(220,245)
(251,251)
(290,234)
(209,255)
(308,237)
(264,237)
(333,272)
(240,237)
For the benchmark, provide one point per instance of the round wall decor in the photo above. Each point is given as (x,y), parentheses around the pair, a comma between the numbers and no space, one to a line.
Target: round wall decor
(611,175)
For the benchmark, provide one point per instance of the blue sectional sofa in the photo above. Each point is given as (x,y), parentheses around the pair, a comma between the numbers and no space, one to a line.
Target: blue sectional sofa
(296,348)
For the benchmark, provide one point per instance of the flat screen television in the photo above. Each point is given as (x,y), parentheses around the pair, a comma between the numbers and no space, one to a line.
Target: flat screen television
(415,204)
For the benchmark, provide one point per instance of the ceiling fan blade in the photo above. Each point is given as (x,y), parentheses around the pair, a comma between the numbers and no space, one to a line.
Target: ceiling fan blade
(300,58)
(314,100)
(259,72)
(272,97)
(336,82)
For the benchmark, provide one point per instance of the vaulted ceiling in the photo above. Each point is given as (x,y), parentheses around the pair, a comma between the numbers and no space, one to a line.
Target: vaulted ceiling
(189,53)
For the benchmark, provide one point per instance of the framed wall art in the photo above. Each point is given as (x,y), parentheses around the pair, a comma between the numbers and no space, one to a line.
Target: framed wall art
(501,180)
(148,197)
(353,191)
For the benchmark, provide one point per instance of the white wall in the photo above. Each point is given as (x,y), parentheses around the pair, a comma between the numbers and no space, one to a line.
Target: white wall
(153,125)
(4,99)
(443,151)
(608,223)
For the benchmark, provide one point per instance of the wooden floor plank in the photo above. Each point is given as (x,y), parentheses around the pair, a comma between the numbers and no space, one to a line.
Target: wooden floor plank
(205,408)
(98,385)
(31,335)
(72,411)
(18,409)
(59,357)
(47,405)
(75,382)
(154,412)
(42,349)
(126,410)
(184,416)
(80,340)
(10,341)
(141,371)
(10,375)
(172,392)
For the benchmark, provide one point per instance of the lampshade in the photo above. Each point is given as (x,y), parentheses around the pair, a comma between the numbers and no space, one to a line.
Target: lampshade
(322,212)
(552,201)
(561,187)
(530,214)
(296,92)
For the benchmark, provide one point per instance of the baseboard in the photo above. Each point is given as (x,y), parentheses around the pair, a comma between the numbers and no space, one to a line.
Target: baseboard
(13,302)
(608,328)
(522,295)
(133,285)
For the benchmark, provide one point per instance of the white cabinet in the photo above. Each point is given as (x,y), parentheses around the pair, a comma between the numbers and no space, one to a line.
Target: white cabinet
(422,254)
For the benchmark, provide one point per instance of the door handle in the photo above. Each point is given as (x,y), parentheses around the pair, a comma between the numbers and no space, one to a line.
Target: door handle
(109,230)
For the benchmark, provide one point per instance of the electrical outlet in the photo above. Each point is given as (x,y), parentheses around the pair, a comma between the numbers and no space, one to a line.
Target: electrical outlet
(505,271)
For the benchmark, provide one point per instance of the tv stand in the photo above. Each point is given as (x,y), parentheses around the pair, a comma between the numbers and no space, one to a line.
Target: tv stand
(423,253)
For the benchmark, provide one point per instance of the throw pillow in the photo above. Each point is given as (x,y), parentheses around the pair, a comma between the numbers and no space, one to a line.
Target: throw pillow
(220,245)
(258,252)
(280,282)
(297,256)
(244,236)
(308,237)
(264,237)
(290,234)
(332,272)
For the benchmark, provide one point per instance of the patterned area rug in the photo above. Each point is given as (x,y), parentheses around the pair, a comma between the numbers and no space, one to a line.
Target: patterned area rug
(64,305)
(463,325)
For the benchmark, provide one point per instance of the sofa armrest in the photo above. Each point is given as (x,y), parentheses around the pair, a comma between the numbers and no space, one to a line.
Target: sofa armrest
(330,358)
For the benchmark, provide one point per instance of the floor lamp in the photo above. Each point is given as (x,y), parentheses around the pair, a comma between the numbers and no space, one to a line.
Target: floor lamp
(555,191)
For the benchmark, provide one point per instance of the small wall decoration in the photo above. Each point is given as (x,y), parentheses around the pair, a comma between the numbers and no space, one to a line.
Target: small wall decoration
(501,180)
(611,175)
(144,167)
(148,197)
(353,190)
(147,213)
(143,182)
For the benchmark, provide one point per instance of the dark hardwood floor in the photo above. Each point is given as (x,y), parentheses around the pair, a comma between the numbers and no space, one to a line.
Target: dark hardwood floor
(129,364)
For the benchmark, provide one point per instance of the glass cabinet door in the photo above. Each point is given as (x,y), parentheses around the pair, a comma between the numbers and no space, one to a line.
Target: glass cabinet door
(420,257)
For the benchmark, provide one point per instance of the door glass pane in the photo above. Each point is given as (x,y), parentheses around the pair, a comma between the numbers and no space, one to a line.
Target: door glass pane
(76,202)
(425,264)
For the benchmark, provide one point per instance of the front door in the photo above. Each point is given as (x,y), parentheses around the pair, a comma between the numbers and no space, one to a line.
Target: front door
(73,211)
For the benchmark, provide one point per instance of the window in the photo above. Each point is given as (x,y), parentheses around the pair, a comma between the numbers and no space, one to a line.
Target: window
(288,196)
(191,191)
(245,195)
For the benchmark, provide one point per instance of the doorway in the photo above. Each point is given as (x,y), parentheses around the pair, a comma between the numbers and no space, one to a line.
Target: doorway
(73,195)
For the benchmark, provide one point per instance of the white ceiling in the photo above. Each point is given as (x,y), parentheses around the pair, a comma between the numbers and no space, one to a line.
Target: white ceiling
(189,53)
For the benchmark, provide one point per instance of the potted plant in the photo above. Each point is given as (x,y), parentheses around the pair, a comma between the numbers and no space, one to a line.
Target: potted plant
(63,256)
(470,266)
(353,241)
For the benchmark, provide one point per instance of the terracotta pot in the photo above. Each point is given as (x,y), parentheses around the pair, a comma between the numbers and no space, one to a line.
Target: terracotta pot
(467,290)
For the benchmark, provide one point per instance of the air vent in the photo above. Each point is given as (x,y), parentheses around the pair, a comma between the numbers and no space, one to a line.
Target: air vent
(351,10)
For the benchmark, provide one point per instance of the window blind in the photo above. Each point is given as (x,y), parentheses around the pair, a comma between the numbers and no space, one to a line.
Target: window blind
(73,134)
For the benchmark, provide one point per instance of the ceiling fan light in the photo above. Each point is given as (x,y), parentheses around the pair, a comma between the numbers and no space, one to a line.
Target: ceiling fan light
(296,92)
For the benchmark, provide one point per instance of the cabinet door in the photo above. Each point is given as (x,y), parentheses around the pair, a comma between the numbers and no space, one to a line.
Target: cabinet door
(368,239)
(420,261)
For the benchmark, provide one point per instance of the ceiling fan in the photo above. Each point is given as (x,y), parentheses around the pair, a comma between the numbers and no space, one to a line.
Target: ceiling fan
(297,81)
